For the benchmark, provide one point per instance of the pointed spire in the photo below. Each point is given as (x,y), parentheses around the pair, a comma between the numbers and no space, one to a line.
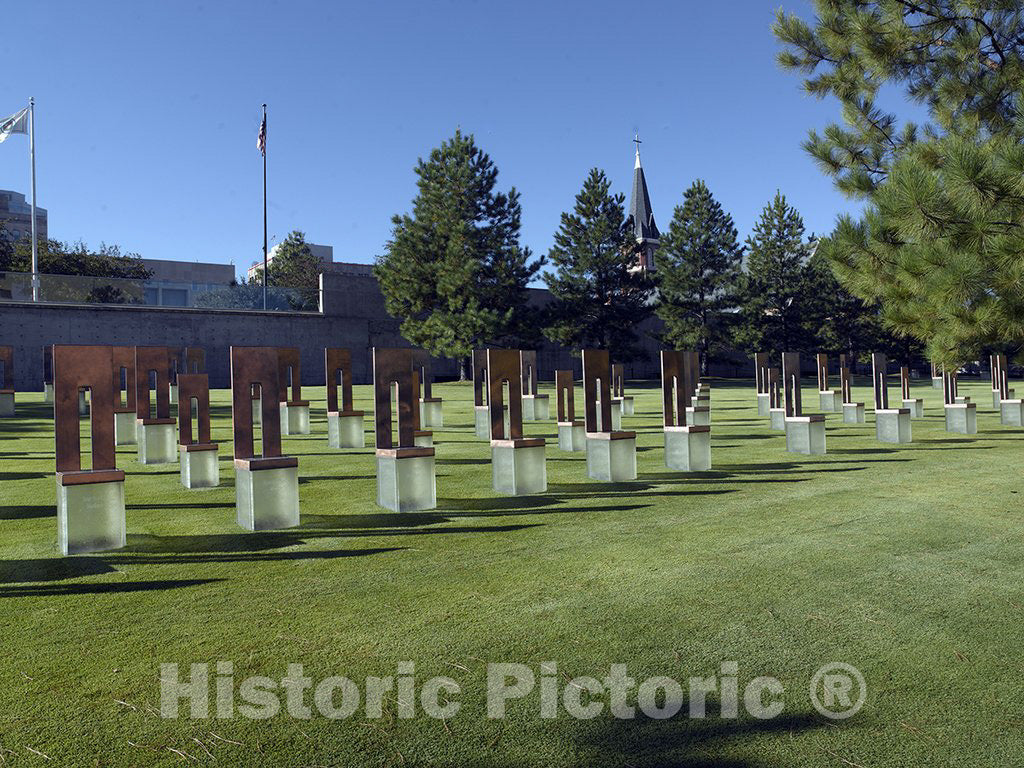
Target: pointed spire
(644,228)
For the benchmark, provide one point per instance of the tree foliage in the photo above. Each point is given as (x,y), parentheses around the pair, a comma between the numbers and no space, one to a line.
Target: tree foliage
(297,269)
(454,272)
(699,267)
(774,283)
(598,297)
(939,247)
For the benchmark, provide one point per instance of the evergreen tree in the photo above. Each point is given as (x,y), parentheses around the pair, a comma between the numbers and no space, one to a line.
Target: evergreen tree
(297,269)
(454,272)
(699,269)
(775,282)
(598,295)
(939,247)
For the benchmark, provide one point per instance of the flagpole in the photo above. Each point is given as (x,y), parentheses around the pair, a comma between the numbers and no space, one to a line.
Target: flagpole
(32,158)
(266,274)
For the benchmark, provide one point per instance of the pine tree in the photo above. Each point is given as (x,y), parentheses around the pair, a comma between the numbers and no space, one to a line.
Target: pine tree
(699,266)
(599,297)
(297,269)
(939,247)
(774,283)
(454,272)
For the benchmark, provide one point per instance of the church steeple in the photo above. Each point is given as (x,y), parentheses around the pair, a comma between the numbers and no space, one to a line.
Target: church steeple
(641,217)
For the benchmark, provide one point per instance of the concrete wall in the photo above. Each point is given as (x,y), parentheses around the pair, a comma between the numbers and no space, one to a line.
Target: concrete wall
(352,315)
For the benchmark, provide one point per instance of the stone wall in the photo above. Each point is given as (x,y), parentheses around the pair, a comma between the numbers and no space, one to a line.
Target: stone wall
(352,315)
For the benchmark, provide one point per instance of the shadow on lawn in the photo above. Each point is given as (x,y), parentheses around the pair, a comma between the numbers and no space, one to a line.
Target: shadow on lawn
(22,475)
(28,511)
(247,557)
(58,590)
(51,569)
(684,742)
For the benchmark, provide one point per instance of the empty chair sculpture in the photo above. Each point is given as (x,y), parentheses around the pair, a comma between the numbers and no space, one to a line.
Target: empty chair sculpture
(294,410)
(266,484)
(571,433)
(698,412)
(761,366)
(535,405)
(405,471)
(125,388)
(1011,409)
(481,413)
(611,453)
(154,425)
(961,413)
(6,381)
(914,404)
(619,396)
(48,373)
(344,424)
(892,425)
(687,446)
(827,401)
(853,412)
(431,412)
(805,433)
(517,463)
(200,467)
(90,502)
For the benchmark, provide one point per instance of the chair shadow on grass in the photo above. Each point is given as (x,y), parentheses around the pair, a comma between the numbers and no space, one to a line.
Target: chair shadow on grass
(687,742)
(105,588)
(28,511)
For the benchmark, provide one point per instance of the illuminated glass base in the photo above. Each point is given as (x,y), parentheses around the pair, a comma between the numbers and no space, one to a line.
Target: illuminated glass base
(764,401)
(482,421)
(6,403)
(47,393)
(626,404)
(518,470)
(345,431)
(267,499)
(1011,413)
(893,426)
(83,404)
(157,443)
(406,483)
(294,419)
(806,435)
(688,449)
(777,417)
(199,469)
(571,436)
(915,406)
(853,413)
(125,428)
(611,461)
(698,416)
(829,401)
(431,413)
(962,419)
(536,408)
(90,517)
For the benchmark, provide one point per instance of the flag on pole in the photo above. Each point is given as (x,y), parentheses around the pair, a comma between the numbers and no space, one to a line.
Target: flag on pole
(261,139)
(16,123)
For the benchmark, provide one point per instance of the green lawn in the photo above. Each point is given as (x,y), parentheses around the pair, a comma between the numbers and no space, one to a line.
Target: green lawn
(905,561)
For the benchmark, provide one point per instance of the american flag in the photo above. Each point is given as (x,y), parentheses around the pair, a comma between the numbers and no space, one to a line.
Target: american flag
(261,139)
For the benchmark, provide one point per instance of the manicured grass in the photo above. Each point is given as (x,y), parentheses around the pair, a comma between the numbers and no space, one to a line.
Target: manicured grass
(905,561)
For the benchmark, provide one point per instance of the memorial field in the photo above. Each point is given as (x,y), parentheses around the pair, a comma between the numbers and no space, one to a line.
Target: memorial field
(905,561)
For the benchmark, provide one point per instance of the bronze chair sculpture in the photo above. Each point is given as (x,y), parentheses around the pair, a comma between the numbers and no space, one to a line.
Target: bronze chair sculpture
(405,471)
(266,484)
(200,466)
(344,424)
(611,453)
(90,502)
(517,462)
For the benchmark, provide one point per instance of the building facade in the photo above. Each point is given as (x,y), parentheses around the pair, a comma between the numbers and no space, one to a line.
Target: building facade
(16,217)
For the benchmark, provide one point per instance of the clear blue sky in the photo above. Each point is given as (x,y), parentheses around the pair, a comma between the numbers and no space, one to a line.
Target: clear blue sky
(147,113)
